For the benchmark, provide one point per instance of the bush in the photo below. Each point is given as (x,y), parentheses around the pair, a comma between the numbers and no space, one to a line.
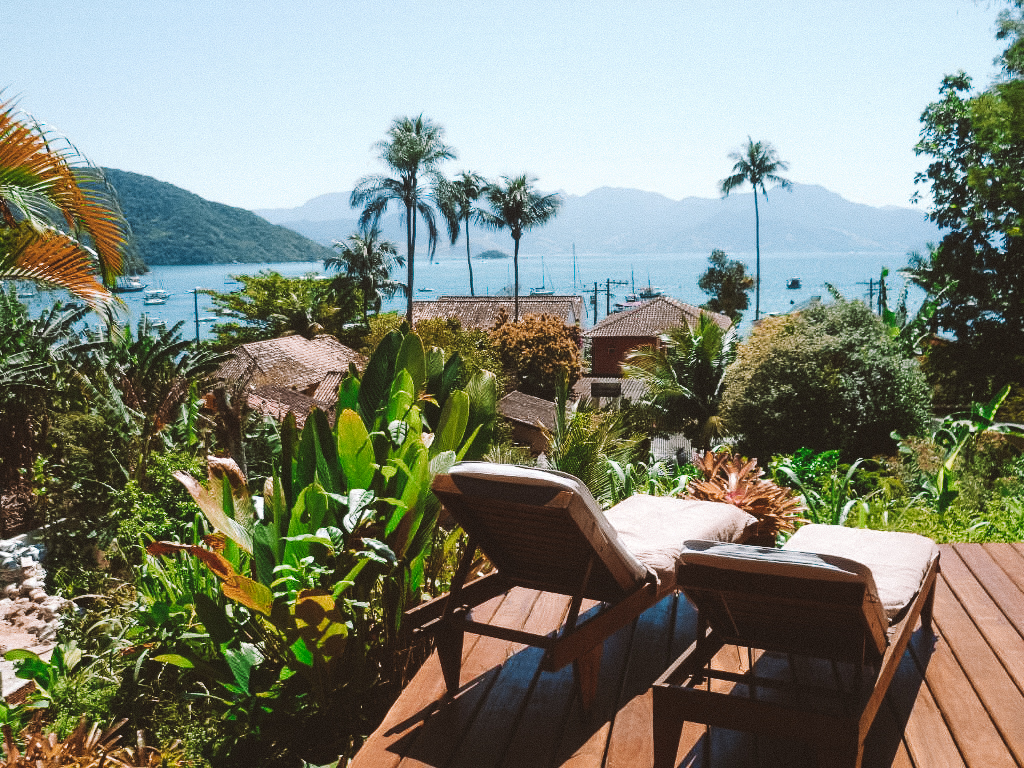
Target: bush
(538,352)
(827,378)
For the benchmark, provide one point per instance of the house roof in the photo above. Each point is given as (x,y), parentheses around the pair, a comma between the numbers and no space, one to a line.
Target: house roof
(632,389)
(527,409)
(482,311)
(290,374)
(652,318)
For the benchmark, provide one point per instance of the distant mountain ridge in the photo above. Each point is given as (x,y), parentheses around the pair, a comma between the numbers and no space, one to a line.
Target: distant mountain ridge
(173,226)
(809,218)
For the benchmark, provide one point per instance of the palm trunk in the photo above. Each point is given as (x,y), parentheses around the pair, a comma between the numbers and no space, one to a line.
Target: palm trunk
(515,262)
(410,234)
(757,248)
(469,261)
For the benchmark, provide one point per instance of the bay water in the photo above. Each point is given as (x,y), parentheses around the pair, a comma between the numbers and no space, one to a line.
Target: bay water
(852,274)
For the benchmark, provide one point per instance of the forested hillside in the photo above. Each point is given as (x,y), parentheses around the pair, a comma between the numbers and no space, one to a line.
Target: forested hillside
(174,226)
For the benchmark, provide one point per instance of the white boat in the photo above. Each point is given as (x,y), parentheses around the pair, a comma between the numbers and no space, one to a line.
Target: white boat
(156,296)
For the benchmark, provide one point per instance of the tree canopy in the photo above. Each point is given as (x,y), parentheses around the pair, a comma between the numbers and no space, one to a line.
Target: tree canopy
(727,283)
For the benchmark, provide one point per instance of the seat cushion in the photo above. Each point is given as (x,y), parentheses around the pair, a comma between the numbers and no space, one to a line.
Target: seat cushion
(655,528)
(898,561)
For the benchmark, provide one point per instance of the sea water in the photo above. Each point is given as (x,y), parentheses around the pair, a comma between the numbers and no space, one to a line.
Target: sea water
(854,275)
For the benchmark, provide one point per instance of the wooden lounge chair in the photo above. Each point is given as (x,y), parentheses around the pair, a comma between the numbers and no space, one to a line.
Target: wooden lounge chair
(544,530)
(851,596)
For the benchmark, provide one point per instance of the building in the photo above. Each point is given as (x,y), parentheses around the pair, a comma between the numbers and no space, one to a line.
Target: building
(482,311)
(291,374)
(614,337)
(532,419)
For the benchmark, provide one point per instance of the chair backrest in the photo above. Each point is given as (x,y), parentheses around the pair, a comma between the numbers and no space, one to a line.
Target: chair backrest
(781,600)
(540,529)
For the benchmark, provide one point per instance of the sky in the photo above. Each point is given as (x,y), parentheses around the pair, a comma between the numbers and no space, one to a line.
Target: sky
(269,104)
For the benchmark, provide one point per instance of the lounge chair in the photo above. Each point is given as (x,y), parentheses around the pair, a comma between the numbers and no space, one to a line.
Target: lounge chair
(848,595)
(544,530)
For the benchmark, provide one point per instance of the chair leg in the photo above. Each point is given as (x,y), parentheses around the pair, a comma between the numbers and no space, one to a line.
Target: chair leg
(587,670)
(668,730)
(449,648)
(926,610)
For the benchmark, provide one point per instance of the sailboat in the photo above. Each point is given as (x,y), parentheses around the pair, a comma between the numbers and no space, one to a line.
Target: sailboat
(543,290)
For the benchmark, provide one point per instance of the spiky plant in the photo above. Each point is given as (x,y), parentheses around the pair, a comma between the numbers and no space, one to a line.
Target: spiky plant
(730,478)
(86,747)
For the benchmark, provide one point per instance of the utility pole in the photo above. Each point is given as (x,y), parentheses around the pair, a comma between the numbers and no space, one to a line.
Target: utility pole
(608,294)
(195,300)
(593,302)
(871,292)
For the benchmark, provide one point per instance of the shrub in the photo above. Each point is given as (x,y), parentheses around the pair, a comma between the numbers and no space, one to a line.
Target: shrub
(538,352)
(827,378)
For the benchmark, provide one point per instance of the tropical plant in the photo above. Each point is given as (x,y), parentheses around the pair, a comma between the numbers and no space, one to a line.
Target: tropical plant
(88,746)
(728,477)
(909,331)
(827,378)
(538,352)
(414,149)
(455,199)
(60,223)
(727,283)
(684,376)
(756,164)
(954,434)
(269,305)
(826,490)
(367,261)
(517,206)
(592,445)
(654,478)
(319,584)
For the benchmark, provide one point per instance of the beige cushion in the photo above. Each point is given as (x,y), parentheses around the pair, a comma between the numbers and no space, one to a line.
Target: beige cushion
(655,529)
(898,561)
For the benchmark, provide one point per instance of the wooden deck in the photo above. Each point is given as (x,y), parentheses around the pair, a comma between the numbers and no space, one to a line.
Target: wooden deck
(957,700)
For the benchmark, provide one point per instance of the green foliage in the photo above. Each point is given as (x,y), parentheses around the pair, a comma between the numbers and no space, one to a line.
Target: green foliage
(683,378)
(654,478)
(538,352)
(367,261)
(727,283)
(456,200)
(827,378)
(173,226)
(827,487)
(304,606)
(269,305)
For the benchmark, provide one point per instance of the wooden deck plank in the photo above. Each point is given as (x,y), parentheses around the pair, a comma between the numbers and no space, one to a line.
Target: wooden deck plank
(631,739)
(492,729)
(1011,560)
(442,734)
(421,697)
(969,723)
(995,582)
(956,700)
(1003,639)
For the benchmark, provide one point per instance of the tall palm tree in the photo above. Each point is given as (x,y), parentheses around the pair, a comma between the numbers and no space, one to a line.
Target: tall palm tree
(757,163)
(684,377)
(60,224)
(455,198)
(517,206)
(368,260)
(414,148)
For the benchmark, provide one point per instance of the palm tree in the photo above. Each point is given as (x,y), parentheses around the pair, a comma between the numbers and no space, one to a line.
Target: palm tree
(414,148)
(684,378)
(517,206)
(59,220)
(756,164)
(455,198)
(368,261)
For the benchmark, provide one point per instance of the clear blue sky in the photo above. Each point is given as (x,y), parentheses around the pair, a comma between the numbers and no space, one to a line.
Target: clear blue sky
(268,104)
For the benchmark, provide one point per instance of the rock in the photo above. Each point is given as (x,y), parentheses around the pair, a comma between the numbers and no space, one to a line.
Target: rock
(37,595)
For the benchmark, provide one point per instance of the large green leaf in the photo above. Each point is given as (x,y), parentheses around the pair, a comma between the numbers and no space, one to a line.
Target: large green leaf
(348,392)
(412,359)
(402,397)
(376,382)
(289,448)
(355,451)
(482,390)
(310,515)
(452,426)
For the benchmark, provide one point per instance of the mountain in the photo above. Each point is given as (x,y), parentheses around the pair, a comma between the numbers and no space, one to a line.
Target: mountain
(808,218)
(173,226)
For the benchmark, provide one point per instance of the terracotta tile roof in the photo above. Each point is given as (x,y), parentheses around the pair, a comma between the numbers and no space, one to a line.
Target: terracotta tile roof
(651,319)
(632,389)
(290,373)
(481,311)
(527,409)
